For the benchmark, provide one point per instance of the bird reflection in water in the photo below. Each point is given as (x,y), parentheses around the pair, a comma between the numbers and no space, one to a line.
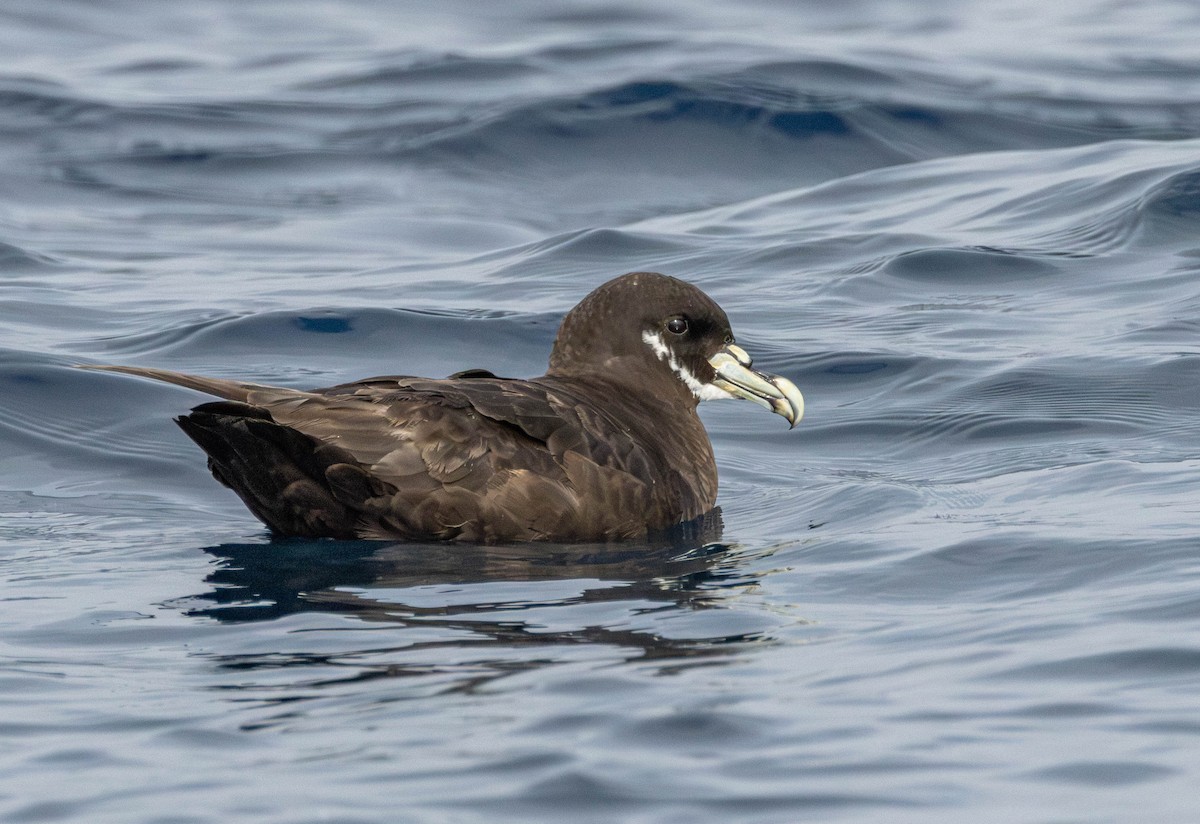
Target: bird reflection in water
(467,607)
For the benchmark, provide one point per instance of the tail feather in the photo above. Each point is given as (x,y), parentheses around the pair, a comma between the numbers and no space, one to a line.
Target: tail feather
(277,471)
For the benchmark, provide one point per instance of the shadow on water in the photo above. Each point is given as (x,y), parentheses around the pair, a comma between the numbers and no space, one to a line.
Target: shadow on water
(518,600)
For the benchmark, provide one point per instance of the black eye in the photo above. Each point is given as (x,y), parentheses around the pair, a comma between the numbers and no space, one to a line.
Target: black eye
(677,326)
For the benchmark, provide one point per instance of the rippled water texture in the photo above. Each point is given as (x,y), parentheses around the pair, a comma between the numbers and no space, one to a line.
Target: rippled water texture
(965,588)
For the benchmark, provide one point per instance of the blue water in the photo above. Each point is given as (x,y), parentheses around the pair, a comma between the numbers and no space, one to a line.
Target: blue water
(965,588)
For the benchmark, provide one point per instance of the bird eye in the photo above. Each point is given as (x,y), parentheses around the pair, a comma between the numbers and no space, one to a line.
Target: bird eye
(677,326)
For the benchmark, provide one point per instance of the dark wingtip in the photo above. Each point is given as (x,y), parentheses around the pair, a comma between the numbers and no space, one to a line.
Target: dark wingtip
(472,374)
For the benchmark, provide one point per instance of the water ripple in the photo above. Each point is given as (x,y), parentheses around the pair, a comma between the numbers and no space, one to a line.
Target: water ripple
(964,586)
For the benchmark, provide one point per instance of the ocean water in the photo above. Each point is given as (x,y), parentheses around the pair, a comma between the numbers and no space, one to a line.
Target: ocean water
(965,588)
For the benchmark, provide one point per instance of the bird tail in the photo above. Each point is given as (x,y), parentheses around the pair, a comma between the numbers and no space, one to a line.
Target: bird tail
(279,472)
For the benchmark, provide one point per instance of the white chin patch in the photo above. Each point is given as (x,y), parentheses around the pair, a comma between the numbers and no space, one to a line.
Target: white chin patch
(702,391)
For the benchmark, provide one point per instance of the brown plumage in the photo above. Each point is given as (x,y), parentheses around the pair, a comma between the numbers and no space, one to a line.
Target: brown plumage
(605,445)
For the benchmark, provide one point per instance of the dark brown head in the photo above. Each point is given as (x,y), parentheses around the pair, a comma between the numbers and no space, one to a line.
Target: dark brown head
(663,336)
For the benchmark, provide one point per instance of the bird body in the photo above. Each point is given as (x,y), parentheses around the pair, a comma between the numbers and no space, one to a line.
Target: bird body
(607,445)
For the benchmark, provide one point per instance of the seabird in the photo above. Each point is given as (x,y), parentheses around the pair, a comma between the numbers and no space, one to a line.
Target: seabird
(606,445)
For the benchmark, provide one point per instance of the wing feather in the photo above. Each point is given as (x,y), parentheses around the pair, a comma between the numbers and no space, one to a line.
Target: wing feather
(477,458)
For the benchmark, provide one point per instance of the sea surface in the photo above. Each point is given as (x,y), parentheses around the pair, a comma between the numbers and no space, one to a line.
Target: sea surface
(966,588)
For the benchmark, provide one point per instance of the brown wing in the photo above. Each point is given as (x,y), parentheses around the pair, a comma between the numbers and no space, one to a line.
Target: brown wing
(222,388)
(478,459)
(473,458)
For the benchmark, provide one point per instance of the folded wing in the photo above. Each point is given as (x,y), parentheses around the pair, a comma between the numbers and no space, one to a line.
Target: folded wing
(473,458)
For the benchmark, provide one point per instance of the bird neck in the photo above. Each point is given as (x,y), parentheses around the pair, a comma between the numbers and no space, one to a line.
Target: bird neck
(660,417)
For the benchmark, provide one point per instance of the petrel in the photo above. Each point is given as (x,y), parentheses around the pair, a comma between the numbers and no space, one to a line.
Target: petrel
(606,445)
